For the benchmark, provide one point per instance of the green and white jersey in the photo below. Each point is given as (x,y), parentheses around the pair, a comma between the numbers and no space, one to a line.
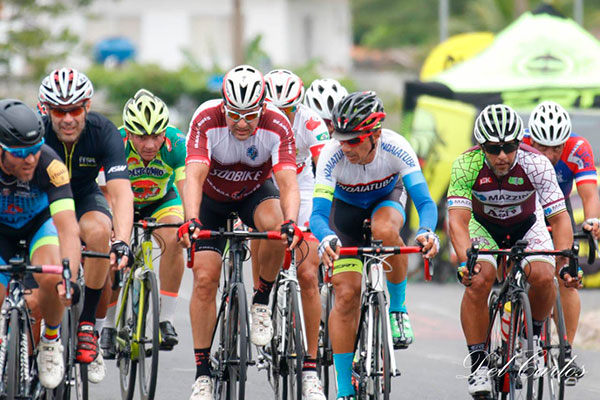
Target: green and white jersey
(152,182)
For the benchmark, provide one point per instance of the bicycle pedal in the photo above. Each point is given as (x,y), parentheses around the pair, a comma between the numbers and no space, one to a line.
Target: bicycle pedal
(571,381)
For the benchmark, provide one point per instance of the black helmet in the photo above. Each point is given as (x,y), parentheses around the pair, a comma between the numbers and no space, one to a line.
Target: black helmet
(356,114)
(20,126)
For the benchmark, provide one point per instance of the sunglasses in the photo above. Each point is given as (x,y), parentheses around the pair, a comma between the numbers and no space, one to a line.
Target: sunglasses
(24,152)
(62,112)
(357,140)
(495,149)
(236,116)
(289,110)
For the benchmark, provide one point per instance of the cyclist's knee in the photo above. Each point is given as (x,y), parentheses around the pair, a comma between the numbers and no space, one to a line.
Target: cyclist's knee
(347,298)
(47,282)
(96,236)
(307,276)
(205,288)
(542,274)
(388,231)
(483,281)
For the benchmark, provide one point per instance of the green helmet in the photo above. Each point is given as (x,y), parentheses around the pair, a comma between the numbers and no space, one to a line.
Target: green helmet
(145,114)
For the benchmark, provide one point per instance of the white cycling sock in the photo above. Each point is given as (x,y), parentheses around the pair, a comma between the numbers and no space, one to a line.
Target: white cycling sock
(99,324)
(168,304)
(111,316)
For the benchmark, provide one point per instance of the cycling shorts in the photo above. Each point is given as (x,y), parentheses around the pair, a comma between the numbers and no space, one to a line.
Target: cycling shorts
(38,232)
(93,201)
(169,205)
(214,214)
(534,231)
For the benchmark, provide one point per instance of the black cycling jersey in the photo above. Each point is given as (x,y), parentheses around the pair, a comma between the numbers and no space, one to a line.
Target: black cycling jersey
(21,202)
(100,145)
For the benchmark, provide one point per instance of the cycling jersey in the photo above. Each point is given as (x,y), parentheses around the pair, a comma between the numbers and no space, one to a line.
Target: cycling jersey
(363,185)
(239,167)
(153,181)
(311,134)
(98,146)
(576,162)
(510,200)
(21,202)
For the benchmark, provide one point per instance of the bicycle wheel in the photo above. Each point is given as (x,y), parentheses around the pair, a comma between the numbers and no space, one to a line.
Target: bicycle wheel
(381,350)
(325,353)
(149,340)
(293,351)
(236,344)
(75,383)
(495,345)
(126,348)
(554,345)
(279,332)
(14,381)
(521,369)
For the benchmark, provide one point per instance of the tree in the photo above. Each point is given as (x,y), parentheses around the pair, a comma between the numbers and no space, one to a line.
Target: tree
(28,34)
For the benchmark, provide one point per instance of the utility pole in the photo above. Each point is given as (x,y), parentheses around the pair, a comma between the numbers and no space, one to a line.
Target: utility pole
(443,14)
(578,11)
(519,7)
(237,33)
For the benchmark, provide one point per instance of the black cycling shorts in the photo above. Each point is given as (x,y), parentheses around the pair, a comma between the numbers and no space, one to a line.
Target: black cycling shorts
(214,214)
(94,201)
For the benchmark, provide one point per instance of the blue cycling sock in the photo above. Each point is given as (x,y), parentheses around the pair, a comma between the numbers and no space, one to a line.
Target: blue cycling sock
(343,368)
(397,296)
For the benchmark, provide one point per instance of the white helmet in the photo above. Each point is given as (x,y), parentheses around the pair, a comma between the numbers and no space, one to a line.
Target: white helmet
(284,88)
(323,94)
(549,124)
(498,123)
(243,87)
(65,86)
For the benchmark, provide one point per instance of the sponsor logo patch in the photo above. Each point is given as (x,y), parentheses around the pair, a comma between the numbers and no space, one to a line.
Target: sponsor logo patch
(58,173)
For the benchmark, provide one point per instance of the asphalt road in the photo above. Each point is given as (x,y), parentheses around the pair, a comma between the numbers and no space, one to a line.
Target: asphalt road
(432,368)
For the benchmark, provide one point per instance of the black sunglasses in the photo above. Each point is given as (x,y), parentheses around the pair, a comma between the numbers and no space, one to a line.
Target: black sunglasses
(496,148)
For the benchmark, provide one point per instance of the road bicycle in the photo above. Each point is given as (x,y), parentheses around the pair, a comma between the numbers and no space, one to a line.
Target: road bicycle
(512,359)
(374,362)
(138,335)
(554,339)
(17,360)
(232,354)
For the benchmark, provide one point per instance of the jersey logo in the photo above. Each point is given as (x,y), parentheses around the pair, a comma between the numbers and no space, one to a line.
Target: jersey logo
(13,209)
(58,173)
(484,180)
(87,161)
(312,124)
(515,180)
(117,168)
(252,152)
(323,137)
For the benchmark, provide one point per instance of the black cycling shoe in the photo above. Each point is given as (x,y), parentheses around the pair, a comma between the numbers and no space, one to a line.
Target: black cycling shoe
(168,335)
(573,373)
(108,343)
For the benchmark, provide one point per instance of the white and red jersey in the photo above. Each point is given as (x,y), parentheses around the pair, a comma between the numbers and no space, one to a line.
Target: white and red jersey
(238,167)
(311,134)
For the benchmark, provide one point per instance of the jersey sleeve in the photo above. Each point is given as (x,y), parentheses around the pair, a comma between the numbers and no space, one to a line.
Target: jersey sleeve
(177,153)
(318,134)
(581,157)
(113,153)
(546,185)
(197,140)
(324,188)
(283,153)
(462,177)
(58,188)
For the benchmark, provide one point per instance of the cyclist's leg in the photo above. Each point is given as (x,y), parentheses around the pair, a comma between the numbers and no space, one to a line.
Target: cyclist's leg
(95,225)
(171,268)
(474,311)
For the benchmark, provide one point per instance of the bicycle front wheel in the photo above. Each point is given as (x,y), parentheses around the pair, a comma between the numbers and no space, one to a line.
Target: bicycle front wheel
(75,382)
(325,353)
(14,381)
(126,348)
(381,352)
(522,371)
(149,340)
(293,351)
(236,344)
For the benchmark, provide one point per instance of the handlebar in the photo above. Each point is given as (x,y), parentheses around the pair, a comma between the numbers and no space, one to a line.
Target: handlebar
(150,223)
(592,244)
(94,254)
(239,235)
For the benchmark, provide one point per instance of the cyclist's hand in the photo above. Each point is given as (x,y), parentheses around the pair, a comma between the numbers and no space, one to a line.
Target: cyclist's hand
(62,293)
(570,281)
(592,225)
(290,229)
(120,255)
(462,273)
(327,254)
(430,242)
(186,232)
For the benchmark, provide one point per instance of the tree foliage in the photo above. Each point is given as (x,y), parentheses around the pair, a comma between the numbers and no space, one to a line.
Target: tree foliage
(29,33)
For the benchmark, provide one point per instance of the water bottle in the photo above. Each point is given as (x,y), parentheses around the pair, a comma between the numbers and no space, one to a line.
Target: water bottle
(505,324)
(324,293)
(281,298)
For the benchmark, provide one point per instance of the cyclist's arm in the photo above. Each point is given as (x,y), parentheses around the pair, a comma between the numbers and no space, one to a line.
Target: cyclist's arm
(68,233)
(562,234)
(289,192)
(323,193)
(458,221)
(589,197)
(180,184)
(121,198)
(419,192)
(196,173)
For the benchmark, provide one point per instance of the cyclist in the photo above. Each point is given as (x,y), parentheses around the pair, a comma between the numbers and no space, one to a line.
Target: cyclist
(322,95)
(37,205)
(86,141)
(233,145)
(497,189)
(363,174)
(284,89)
(155,153)
(573,159)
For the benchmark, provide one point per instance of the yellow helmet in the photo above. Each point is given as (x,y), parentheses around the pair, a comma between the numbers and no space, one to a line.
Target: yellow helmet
(145,114)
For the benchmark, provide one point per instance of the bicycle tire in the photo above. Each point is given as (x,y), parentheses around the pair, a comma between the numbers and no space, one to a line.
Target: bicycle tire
(554,344)
(236,343)
(126,362)
(521,327)
(149,345)
(13,378)
(293,352)
(275,363)
(74,383)
(381,350)
(325,353)
(495,345)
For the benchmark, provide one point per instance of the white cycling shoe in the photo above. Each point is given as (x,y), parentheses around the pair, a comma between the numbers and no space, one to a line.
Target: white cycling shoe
(480,383)
(97,369)
(261,330)
(51,367)
(311,387)
(202,389)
